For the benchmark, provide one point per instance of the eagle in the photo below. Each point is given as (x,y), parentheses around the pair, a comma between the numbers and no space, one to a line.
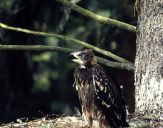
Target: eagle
(100,98)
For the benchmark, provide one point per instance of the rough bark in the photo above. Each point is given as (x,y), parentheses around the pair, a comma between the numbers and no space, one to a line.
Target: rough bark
(149,58)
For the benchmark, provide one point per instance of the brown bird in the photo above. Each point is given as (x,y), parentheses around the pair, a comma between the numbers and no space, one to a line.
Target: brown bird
(100,98)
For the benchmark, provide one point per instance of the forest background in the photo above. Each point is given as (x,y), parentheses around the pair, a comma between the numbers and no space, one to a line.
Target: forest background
(34,84)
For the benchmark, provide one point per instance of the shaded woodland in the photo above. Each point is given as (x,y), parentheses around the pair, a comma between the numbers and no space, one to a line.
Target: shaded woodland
(36,84)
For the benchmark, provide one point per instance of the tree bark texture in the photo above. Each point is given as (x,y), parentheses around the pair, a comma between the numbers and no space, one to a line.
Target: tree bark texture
(149,58)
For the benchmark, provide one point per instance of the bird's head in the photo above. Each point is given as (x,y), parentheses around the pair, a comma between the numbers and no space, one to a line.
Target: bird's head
(84,58)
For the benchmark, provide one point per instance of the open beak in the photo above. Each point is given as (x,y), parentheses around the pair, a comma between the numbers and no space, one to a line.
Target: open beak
(77,58)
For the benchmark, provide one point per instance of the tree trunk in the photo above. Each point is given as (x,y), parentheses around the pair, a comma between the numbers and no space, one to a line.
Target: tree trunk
(149,58)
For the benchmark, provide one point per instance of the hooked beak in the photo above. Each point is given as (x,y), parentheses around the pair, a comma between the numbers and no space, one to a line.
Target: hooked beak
(77,58)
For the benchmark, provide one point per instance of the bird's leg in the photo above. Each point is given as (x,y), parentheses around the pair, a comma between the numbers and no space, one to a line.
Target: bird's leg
(103,123)
(100,124)
(90,121)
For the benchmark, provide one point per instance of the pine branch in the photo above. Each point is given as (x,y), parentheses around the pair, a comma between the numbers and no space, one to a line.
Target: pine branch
(65,50)
(68,39)
(98,18)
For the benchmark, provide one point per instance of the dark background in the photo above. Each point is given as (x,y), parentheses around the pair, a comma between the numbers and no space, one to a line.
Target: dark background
(36,84)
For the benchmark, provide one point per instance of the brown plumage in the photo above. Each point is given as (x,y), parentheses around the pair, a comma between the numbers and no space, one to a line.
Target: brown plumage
(99,96)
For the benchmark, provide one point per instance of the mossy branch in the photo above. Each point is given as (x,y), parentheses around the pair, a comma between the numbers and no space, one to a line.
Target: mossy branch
(98,18)
(35,48)
(127,66)
(68,39)
(65,50)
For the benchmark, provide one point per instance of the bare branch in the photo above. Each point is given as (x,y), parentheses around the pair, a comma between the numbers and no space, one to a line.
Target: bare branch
(68,39)
(103,61)
(35,48)
(98,18)
(127,66)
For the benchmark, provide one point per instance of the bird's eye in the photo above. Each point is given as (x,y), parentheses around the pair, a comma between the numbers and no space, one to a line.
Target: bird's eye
(81,54)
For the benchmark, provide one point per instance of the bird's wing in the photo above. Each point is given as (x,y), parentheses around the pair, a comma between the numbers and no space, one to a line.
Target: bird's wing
(108,97)
(106,90)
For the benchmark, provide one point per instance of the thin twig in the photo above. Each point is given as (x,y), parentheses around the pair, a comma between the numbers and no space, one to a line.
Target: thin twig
(98,18)
(68,39)
(65,50)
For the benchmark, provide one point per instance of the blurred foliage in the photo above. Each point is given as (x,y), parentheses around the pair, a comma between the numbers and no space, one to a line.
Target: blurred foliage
(43,81)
